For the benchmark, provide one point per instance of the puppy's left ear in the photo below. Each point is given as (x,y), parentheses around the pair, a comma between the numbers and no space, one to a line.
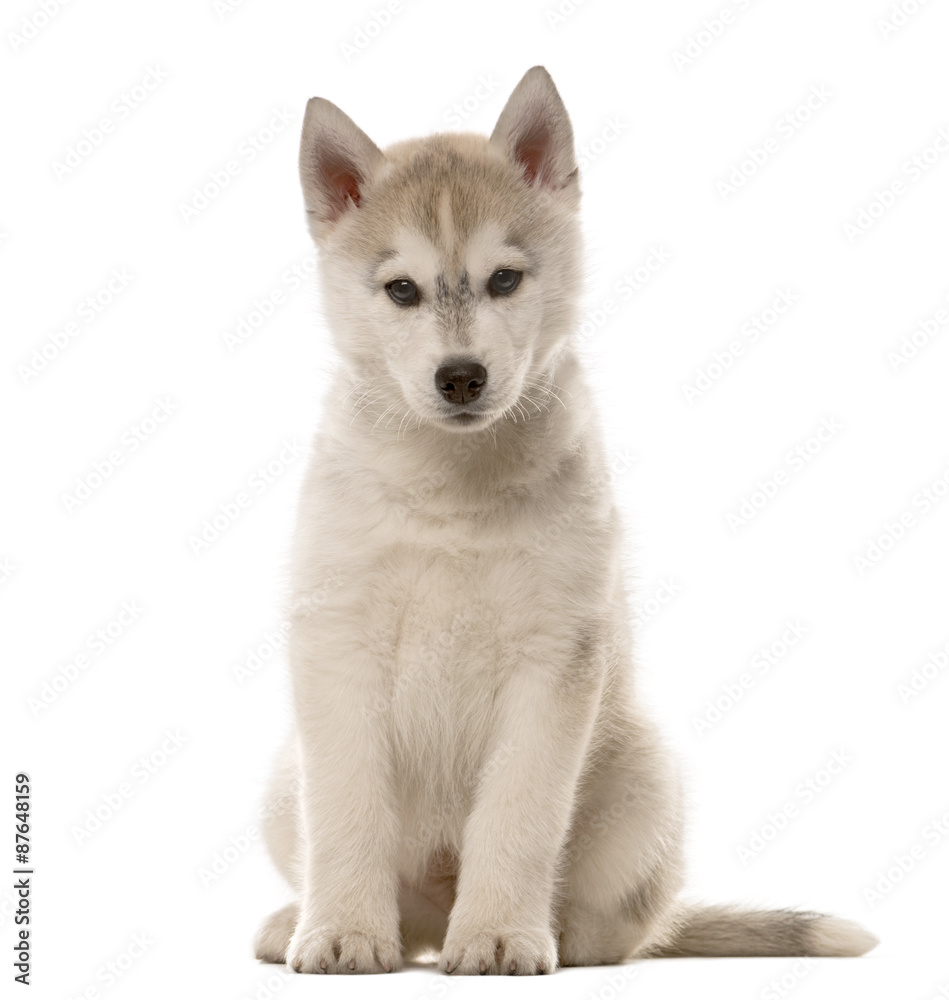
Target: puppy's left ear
(534,130)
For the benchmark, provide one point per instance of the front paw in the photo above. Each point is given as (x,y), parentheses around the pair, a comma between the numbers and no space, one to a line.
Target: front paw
(329,949)
(510,953)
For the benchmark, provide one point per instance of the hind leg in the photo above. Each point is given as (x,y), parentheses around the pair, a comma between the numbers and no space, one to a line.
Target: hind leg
(281,834)
(274,935)
(623,866)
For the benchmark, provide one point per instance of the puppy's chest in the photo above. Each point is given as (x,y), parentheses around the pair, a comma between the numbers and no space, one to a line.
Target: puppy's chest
(443,621)
(445,639)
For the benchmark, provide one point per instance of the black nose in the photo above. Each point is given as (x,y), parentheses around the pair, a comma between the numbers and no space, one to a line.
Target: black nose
(461,381)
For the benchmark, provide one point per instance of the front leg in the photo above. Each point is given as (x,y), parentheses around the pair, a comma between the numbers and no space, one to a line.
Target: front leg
(349,920)
(501,920)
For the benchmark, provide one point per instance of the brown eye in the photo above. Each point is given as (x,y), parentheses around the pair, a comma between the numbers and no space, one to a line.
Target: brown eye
(402,291)
(504,282)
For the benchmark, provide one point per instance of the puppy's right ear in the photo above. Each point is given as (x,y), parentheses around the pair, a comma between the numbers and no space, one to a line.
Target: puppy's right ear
(337,162)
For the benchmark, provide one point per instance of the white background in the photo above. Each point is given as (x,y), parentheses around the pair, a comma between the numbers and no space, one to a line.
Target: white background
(658,135)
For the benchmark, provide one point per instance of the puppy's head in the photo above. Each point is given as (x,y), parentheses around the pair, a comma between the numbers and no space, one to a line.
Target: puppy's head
(450,265)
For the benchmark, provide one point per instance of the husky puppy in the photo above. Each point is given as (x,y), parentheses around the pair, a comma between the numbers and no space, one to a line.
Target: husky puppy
(471,771)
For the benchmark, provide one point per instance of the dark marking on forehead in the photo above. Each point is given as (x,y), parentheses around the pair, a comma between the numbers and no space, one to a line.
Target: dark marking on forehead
(454,308)
(442,291)
(447,293)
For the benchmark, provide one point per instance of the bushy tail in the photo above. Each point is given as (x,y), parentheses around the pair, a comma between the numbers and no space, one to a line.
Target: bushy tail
(731,931)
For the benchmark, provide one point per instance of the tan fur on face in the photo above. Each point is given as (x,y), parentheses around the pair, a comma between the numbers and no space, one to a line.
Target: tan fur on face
(447,212)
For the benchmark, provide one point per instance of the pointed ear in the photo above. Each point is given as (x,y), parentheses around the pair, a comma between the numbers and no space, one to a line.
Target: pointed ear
(337,162)
(534,130)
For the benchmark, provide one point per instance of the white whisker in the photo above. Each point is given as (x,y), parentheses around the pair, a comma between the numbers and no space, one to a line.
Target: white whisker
(391,406)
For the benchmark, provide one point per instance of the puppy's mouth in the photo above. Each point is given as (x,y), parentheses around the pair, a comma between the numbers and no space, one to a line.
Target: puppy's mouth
(465,418)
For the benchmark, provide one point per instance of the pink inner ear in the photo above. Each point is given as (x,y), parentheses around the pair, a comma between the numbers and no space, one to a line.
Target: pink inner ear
(342,184)
(347,186)
(533,151)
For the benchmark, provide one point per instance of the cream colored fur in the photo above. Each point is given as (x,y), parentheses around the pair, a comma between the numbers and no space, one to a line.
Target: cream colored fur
(471,770)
